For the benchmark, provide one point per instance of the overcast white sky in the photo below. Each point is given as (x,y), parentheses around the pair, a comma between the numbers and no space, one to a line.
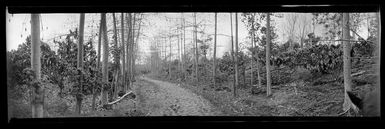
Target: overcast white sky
(18,27)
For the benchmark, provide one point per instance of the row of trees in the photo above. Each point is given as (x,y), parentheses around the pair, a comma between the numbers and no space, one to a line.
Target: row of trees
(112,75)
(118,77)
(262,35)
(159,49)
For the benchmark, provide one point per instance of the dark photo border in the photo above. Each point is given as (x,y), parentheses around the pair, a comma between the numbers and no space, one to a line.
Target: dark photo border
(98,6)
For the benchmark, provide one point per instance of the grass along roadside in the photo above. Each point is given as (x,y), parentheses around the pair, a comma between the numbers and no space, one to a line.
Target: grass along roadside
(291,99)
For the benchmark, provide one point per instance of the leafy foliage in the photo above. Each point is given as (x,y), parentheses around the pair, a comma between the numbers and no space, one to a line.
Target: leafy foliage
(57,67)
(20,59)
(333,23)
(225,65)
(319,58)
(323,58)
(67,53)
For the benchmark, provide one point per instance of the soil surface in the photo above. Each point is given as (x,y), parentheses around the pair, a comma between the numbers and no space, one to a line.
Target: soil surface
(158,98)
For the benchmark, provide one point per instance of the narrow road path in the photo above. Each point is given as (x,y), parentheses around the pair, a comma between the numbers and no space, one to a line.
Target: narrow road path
(158,98)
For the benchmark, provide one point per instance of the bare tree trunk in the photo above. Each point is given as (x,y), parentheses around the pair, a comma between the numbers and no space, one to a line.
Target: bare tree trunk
(79,96)
(347,61)
(105,61)
(165,51)
(268,75)
(132,51)
(215,51)
(232,52)
(160,52)
(98,65)
(99,41)
(37,91)
(302,35)
(184,47)
(244,75)
(258,70)
(158,55)
(257,65)
(136,43)
(116,57)
(236,55)
(123,56)
(311,39)
(252,53)
(170,63)
(179,52)
(313,31)
(291,32)
(377,53)
(128,56)
(196,48)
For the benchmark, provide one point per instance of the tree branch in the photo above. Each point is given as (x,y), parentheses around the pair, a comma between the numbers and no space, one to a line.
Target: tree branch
(113,102)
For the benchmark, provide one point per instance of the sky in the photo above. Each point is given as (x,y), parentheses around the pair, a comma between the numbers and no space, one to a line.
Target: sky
(52,25)
(18,27)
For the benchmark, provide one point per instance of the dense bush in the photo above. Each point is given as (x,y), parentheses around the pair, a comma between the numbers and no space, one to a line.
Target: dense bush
(323,58)
(319,58)
(58,70)
(20,59)
(67,71)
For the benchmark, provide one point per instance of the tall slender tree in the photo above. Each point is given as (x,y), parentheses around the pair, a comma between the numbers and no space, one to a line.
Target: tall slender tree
(377,53)
(252,53)
(169,64)
(105,60)
(236,55)
(132,52)
(98,63)
(79,96)
(128,58)
(257,65)
(37,90)
(100,40)
(184,46)
(196,47)
(180,45)
(123,55)
(291,20)
(232,52)
(268,74)
(347,60)
(165,50)
(116,57)
(215,50)
(179,36)
(313,24)
(137,40)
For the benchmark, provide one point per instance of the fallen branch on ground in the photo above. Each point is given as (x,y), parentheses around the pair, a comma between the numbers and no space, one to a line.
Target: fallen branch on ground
(120,98)
(358,73)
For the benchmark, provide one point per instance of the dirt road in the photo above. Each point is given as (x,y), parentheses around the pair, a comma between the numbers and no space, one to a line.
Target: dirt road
(158,98)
